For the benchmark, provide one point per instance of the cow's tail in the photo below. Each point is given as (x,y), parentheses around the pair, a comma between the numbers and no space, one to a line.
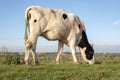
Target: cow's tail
(27,26)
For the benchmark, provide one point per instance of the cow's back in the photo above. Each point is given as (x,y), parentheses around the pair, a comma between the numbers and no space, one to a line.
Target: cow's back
(60,27)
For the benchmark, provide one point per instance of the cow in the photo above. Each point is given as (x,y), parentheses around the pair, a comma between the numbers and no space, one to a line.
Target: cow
(54,24)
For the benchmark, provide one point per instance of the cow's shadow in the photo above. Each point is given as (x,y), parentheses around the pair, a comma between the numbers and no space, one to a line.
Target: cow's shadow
(98,62)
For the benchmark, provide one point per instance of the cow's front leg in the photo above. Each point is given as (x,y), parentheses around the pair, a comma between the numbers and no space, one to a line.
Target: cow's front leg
(60,50)
(73,50)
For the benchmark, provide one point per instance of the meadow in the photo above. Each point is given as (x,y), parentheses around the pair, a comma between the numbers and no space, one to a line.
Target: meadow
(12,67)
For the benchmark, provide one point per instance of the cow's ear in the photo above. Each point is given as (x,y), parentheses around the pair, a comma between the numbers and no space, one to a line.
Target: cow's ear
(92,44)
(64,16)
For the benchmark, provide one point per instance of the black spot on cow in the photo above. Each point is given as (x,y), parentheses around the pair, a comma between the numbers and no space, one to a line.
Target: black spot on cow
(79,26)
(35,20)
(84,43)
(64,16)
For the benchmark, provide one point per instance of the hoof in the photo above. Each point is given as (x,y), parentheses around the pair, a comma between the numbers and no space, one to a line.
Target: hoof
(36,62)
(57,62)
(26,62)
(76,63)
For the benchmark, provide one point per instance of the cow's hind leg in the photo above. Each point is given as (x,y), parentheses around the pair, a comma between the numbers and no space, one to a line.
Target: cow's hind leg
(31,45)
(27,56)
(27,51)
(34,55)
(60,50)
(33,50)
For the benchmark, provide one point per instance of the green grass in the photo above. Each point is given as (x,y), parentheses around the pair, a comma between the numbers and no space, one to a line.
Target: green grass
(107,67)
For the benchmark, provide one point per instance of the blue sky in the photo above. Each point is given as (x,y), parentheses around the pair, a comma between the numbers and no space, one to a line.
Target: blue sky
(101,17)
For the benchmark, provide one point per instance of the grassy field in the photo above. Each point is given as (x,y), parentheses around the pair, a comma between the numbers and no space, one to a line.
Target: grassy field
(107,67)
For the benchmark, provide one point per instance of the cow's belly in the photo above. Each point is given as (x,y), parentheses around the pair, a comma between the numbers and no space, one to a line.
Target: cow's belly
(53,35)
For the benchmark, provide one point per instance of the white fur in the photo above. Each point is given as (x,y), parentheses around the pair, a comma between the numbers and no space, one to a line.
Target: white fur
(51,25)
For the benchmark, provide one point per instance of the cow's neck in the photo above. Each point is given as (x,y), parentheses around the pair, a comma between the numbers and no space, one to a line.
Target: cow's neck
(84,41)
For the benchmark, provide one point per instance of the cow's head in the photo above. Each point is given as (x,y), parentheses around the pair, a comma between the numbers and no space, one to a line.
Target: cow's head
(87,50)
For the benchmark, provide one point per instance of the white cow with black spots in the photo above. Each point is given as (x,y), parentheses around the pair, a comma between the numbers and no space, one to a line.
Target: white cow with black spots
(53,25)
